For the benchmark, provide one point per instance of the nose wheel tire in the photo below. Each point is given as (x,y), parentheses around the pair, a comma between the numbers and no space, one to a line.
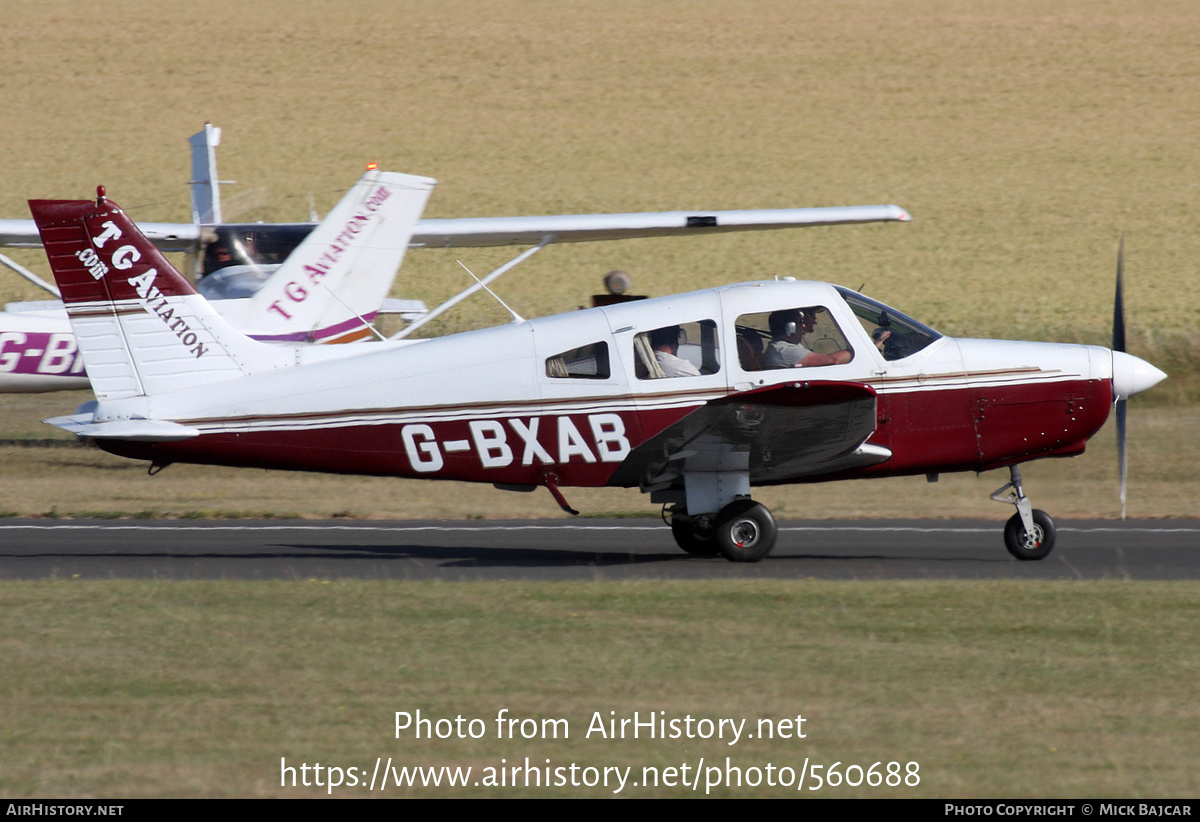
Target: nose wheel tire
(1030,546)
(745,531)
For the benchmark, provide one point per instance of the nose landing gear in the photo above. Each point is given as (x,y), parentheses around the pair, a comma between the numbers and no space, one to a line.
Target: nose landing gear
(1029,533)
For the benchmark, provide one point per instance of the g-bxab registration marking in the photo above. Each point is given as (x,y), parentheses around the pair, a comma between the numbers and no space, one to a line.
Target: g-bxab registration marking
(490,441)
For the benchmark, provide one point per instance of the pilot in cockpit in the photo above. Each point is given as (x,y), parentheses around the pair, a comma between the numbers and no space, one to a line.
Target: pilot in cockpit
(893,344)
(219,256)
(787,349)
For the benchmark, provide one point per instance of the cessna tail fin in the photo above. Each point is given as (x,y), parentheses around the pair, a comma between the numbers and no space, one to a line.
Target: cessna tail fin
(336,280)
(206,188)
(141,327)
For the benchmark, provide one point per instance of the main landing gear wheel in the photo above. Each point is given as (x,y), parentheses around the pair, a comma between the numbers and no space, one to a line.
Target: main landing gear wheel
(694,535)
(745,531)
(1026,546)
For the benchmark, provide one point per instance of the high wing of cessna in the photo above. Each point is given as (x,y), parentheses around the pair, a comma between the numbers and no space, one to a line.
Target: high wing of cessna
(234,260)
(693,398)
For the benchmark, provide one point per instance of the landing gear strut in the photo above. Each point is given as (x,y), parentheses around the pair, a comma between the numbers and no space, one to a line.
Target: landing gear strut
(1029,533)
(742,531)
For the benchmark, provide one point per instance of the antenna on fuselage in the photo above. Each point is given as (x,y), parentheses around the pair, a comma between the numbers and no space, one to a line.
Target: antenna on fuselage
(517,318)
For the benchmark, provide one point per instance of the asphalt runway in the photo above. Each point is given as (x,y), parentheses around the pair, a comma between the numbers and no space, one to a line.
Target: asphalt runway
(591,549)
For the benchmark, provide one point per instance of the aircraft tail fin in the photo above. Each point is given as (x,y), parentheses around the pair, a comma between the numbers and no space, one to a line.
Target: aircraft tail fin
(206,188)
(141,327)
(335,281)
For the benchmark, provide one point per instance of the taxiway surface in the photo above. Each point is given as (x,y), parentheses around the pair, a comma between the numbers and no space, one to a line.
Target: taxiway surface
(579,549)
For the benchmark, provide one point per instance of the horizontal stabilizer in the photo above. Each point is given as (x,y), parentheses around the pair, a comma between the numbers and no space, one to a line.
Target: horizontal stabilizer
(82,425)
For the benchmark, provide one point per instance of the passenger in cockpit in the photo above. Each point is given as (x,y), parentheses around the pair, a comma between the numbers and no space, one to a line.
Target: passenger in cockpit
(787,349)
(665,342)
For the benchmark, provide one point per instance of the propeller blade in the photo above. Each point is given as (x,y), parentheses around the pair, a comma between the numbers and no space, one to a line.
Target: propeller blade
(1122,459)
(1119,302)
(1118,344)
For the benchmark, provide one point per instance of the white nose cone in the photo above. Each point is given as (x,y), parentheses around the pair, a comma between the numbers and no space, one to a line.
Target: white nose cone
(1132,375)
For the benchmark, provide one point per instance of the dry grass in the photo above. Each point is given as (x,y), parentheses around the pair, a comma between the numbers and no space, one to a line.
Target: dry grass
(197,689)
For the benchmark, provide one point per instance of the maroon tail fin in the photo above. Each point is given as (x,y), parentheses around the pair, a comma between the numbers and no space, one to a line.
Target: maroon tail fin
(98,255)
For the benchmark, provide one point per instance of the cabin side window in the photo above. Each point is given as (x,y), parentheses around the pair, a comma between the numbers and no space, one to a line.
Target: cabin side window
(588,362)
(805,336)
(684,350)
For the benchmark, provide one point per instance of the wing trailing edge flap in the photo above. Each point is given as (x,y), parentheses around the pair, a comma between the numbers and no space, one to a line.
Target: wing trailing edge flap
(790,431)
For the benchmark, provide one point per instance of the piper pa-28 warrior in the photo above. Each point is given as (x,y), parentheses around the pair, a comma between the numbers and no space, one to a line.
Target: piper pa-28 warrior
(693,398)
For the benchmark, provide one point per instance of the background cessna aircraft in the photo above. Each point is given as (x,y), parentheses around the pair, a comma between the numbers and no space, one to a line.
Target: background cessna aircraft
(681,396)
(328,290)
(234,260)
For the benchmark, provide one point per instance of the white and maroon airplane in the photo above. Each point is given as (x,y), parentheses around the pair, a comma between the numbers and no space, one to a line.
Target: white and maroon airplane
(694,398)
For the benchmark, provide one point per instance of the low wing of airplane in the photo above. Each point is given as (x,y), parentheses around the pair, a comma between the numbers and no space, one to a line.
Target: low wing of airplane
(694,398)
(759,427)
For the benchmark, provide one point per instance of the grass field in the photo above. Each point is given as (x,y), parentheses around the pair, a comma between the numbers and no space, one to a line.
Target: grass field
(995,689)
(1025,138)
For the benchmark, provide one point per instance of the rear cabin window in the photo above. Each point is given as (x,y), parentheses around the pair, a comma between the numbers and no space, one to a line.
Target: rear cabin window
(588,362)
(684,350)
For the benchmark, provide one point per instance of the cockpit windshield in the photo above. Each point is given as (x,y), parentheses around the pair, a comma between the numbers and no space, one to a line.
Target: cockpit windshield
(896,335)
(252,245)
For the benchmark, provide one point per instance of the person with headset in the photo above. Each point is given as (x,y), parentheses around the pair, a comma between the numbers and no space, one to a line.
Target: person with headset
(787,350)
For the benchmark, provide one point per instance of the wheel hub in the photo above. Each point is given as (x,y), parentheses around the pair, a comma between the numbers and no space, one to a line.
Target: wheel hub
(1032,539)
(744,533)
